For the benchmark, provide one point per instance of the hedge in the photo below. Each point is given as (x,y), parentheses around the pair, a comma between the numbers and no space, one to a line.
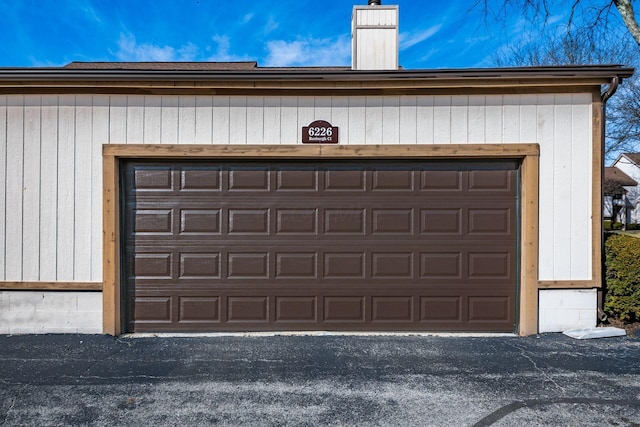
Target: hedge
(622,298)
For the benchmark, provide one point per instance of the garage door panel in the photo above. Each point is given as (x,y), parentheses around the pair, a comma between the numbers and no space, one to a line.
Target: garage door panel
(493,181)
(200,179)
(153,178)
(392,221)
(441,309)
(344,309)
(294,312)
(253,309)
(297,180)
(314,245)
(441,181)
(393,180)
(249,221)
(296,221)
(345,180)
(441,221)
(200,265)
(195,309)
(295,265)
(153,221)
(489,309)
(293,309)
(251,179)
(392,309)
(200,221)
(489,221)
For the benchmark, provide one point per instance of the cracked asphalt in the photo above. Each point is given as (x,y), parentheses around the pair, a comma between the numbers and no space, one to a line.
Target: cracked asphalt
(543,380)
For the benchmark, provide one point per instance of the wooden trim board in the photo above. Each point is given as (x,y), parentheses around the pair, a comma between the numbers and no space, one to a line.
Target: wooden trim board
(435,151)
(597,194)
(111,246)
(50,286)
(529,238)
(566,284)
(528,153)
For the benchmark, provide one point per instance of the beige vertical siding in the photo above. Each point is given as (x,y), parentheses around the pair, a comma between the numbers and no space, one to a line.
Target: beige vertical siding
(50,159)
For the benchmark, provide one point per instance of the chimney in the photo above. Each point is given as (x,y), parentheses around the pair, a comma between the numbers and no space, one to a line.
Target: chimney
(374,37)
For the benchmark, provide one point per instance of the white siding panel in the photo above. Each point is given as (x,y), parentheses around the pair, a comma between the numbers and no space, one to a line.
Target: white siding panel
(221,120)
(3,189)
(14,182)
(547,211)
(340,117)
(391,120)
(135,119)
(408,120)
(357,120)
(170,120)
(118,120)
(493,118)
(255,120)
(477,119)
(82,189)
(322,109)
(511,119)
(289,120)
(152,120)
(425,120)
(442,120)
(186,119)
(581,154)
(528,124)
(49,189)
(272,122)
(31,190)
(238,120)
(459,119)
(306,114)
(66,190)
(373,119)
(204,120)
(562,198)
(100,136)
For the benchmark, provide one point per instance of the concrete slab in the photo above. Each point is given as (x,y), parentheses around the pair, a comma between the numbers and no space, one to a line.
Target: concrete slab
(591,333)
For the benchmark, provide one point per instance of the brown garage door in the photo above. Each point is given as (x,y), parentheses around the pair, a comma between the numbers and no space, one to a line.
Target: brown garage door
(253,246)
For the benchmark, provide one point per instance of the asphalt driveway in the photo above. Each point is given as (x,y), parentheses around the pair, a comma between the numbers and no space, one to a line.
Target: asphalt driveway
(319,380)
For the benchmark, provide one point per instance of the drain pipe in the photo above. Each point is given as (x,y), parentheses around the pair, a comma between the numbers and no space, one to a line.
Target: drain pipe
(611,90)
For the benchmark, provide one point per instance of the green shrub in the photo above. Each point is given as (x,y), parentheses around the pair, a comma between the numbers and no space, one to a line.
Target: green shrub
(633,226)
(622,299)
(608,225)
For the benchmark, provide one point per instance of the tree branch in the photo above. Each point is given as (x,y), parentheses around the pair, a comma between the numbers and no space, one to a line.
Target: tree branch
(628,16)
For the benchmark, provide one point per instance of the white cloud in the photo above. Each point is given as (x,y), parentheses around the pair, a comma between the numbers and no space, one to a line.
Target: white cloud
(308,52)
(223,51)
(410,39)
(248,17)
(130,50)
(271,25)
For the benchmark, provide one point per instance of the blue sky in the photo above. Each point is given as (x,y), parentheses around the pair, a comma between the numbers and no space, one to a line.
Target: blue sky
(433,34)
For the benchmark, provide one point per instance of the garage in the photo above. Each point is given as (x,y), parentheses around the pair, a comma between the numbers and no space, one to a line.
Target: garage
(335,245)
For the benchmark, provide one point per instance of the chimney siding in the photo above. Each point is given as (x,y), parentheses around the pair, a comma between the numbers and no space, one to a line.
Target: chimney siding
(375,37)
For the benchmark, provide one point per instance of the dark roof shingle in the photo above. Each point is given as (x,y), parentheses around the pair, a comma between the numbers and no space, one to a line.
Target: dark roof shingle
(634,157)
(166,66)
(614,174)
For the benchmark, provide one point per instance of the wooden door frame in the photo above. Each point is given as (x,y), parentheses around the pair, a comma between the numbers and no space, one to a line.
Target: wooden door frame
(528,154)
